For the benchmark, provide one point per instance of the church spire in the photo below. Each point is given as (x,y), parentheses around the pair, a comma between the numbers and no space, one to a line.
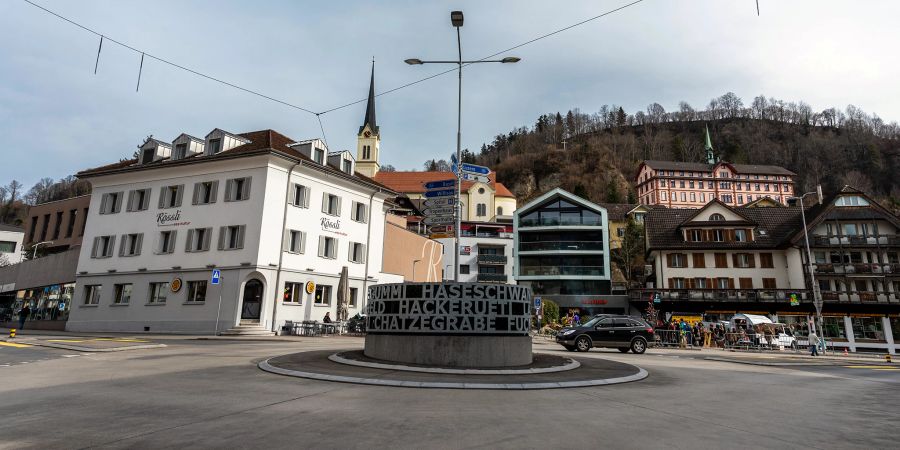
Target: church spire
(710,156)
(370,105)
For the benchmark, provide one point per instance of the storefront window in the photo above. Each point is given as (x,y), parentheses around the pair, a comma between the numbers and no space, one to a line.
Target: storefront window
(868,328)
(799,325)
(895,328)
(834,327)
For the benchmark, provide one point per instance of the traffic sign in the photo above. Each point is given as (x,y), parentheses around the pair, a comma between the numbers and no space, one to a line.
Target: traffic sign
(472,177)
(440,229)
(440,235)
(472,168)
(439,220)
(216,276)
(656,298)
(440,202)
(454,168)
(439,211)
(440,193)
(453,159)
(537,303)
(442,184)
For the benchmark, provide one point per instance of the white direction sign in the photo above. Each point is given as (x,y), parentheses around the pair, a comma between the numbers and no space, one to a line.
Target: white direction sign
(439,211)
(440,202)
(472,177)
(439,220)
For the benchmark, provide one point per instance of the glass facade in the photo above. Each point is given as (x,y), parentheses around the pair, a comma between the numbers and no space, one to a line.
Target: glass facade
(868,328)
(560,212)
(47,303)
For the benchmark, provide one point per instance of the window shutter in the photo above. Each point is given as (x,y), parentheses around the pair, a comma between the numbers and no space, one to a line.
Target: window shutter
(338,212)
(322,246)
(671,283)
(306,197)
(103,201)
(301,248)
(729,235)
(286,241)
(353,211)
(122,245)
(669,261)
(710,283)
(178,195)
(196,197)
(94,248)
(229,186)
(734,260)
(118,204)
(350,252)
(362,253)
(206,238)
(245,192)
(162,197)
(325,202)
(731,283)
(213,191)
(112,245)
(130,205)
(139,244)
(240,239)
(292,195)
(171,247)
(145,204)
(187,244)
(222,231)
(752,258)
(690,283)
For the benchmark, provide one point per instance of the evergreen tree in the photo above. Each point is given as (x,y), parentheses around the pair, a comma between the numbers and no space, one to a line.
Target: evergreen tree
(612,192)
(581,191)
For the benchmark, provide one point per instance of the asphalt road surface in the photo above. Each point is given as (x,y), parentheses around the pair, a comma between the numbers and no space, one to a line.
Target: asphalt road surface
(210,394)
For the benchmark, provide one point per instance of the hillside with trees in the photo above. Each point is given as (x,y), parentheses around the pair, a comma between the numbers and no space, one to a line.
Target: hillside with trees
(596,155)
(14,200)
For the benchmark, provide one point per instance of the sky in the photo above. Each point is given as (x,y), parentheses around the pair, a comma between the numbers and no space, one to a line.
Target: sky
(57,117)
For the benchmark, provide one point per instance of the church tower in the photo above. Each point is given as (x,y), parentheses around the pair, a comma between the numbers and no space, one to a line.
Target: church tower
(368,140)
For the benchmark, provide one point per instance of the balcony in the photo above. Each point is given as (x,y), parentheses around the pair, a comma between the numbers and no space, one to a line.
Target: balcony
(545,246)
(882,240)
(492,278)
(721,295)
(492,259)
(861,297)
(561,222)
(856,268)
(562,270)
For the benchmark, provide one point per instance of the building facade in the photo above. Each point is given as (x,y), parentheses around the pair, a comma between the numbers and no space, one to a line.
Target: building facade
(59,225)
(11,242)
(414,257)
(485,253)
(277,219)
(693,185)
(562,253)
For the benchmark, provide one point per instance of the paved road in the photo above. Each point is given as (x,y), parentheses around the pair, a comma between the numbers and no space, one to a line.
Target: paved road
(13,354)
(209,394)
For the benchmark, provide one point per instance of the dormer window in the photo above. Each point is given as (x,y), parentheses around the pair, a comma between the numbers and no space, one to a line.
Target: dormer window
(716,218)
(851,200)
(148,155)
(347,166)
(215,146)
(319,155)
(180,151)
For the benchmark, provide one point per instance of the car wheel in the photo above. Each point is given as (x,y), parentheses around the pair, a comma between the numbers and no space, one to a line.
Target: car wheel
(583,344)
(624,349)
(570,348)
(638,346)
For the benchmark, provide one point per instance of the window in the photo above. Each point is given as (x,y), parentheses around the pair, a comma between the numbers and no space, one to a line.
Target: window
(122,293)
(672,183)
(703,197)
(328,247)
(756,187)
(700,283)
(768,283)
(699,260)
(499,210)
(323,295)
(110,203)
(196,291)
(481,210)
(58,227)
(293,293)
(7,247)
(367,152)
(850,229)
(354,295)
(319,155)
(237,189)
(231,237)
(678,283)
(717,235)
(683,197)
(727,198)
(740,235)
(663,196)
(299,196)
(205,192)
(215,146)
(766,261)
(721,260)
(170,196)
(464,269)
(677,260)
(331,204)
(148,155)
(833,327)
(357,252)
(620,232)
(103,246)
(691,184)
(726,283)
(347,166)
(158,292)
(138,200)
(709,184)
(744,260)
(34,221)
(716,218)
(851,200)
(180,151)
(166,242)
(867,328)
(693,197)
(198,240)
(130,245)
(681,184)
(92,294)
(358,212)
(295,241)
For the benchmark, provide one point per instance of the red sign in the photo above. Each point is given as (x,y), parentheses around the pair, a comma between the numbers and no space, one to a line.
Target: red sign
(597,301)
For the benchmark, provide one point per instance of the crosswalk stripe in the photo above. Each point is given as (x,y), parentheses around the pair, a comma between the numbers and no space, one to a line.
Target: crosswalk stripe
(13,344)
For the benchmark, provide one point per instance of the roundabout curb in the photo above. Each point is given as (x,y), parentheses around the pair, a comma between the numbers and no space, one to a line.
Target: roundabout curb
(572,364)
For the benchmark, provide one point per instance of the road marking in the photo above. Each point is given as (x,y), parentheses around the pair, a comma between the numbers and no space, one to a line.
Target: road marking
(887,368)
(864,367)
(70,356)
(64,340)
(13,344)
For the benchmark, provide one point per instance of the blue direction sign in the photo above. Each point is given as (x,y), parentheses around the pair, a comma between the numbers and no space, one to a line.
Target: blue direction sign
(440,193)
(454,168)
(216,276)
(440,202)
(453,158)
(478,170)
(440,184)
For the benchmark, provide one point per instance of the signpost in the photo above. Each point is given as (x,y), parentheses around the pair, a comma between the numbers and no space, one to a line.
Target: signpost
(438,220)
(473,169)
(439,211)
(440,193)
(439,202)
(216,278)
(442,184)
(473,177)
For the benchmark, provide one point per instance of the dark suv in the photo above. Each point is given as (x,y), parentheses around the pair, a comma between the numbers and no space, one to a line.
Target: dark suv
(612,331)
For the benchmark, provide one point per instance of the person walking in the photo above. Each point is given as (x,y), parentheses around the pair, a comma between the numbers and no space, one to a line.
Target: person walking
(813,344)
(23,315)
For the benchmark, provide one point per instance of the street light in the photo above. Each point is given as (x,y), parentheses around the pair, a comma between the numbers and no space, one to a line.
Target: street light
(817,293)
(456,19)
(36,245)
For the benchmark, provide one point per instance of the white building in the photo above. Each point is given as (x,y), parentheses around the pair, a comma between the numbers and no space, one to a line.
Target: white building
(11,244)
(485,253)
(280,219)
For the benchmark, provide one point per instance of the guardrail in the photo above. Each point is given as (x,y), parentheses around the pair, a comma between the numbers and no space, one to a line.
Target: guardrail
(674,338)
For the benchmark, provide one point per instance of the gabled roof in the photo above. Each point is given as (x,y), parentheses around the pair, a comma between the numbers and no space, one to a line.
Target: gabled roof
(618,211)
(816,214)
(257,143)
(239,137)
(716,201)
(764,202)
(774,229)
(562,193)
(152,140)
(414,182)
(193,138)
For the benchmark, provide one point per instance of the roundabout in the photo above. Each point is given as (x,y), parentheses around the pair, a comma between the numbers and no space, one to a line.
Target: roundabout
(547,371)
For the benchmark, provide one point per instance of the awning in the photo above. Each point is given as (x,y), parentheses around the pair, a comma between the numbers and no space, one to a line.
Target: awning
(752,319)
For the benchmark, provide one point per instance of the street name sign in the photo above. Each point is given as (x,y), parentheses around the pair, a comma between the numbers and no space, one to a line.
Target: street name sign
(439,220)
(440,202)
(439,211)
(478,170)
(442,184)
(472,177)
(440,229)
(440,193)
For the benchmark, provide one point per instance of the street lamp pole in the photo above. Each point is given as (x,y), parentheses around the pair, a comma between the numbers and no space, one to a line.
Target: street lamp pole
(35,247)
(456,19)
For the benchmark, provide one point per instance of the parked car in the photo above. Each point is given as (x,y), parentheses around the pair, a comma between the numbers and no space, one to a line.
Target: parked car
(610,331)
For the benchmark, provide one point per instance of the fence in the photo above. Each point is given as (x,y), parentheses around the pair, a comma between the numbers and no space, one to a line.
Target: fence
(675,338)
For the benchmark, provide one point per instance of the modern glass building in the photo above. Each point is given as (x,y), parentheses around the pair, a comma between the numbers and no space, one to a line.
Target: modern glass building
(562,253)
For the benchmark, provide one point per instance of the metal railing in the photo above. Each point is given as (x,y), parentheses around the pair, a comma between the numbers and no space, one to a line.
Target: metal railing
(736,295)
(560,245)
(562,270)
(491,259)
(550,222)
(492,277)
(674,338)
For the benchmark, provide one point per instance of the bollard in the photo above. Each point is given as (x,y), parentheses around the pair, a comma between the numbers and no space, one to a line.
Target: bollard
(887,358)
(12,333)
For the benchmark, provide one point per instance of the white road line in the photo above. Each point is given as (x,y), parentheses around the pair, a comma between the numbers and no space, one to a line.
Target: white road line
(70,356)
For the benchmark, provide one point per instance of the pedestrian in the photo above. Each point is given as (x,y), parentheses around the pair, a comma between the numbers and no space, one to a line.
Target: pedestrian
(327,318)
(813,344)
(23,315)
(576,319)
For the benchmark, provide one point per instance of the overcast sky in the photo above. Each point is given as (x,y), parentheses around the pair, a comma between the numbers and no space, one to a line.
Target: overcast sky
(57,117)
